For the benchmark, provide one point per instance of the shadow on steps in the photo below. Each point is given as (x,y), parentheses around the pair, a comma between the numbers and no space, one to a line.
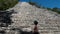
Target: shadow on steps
(5,18)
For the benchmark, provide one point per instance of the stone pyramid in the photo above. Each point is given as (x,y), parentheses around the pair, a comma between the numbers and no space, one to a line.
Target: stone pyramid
(49,22)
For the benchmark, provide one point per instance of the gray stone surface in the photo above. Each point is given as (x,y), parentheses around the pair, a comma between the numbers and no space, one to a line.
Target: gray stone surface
(49,22)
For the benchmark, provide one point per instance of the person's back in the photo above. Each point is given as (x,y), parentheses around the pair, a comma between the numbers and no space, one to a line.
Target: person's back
(35,28)
(32,32)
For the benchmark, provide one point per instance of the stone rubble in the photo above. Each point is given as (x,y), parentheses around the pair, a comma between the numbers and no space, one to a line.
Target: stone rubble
(49,22)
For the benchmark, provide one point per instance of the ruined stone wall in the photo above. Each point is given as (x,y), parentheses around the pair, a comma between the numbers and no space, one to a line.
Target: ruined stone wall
(49,22)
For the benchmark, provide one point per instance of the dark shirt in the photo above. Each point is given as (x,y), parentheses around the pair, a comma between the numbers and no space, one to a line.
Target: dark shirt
(35,30)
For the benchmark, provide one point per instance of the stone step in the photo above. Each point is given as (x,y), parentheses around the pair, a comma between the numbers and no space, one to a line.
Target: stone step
(48,28)
(49,25)
(48,31)
(44,31)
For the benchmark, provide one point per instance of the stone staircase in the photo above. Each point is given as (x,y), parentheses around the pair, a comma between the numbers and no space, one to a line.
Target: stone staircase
(49,22)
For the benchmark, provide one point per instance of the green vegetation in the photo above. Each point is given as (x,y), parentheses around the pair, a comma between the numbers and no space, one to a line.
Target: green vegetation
(5,4)
(49,9)
(55,9)
(33,3)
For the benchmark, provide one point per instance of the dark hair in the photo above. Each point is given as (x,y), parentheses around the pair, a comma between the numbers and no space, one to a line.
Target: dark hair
(35,22)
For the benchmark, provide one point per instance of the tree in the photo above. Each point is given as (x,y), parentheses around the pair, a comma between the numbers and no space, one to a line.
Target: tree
(55,9)
(33,3)
(5,4)
(49,9)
